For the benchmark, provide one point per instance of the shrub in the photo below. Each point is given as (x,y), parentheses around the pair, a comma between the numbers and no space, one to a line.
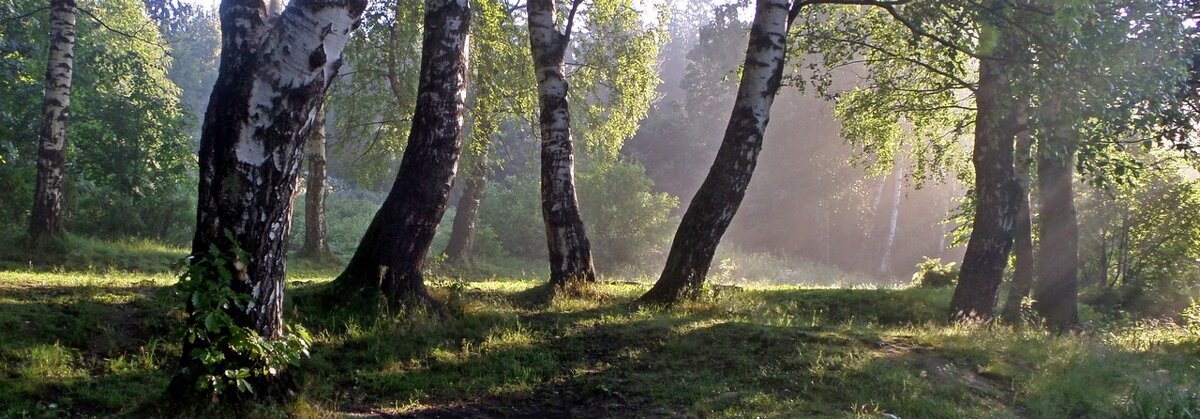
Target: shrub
(1140,244)
(932,273)
(229,357)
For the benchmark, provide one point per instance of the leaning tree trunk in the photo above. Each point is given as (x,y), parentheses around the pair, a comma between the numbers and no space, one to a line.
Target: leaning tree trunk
(566,240)
(315,227)
(1023,229)
(466,215)
(1056,290)
(717,200)
(393,250)
(46,220)
(272,78)
(996,194)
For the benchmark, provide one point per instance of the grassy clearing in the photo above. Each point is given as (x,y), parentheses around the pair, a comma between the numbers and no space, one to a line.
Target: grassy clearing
(100,343)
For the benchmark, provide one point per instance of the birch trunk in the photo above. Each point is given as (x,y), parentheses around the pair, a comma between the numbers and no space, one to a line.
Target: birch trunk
(996,193)
(466,215)
(393,250)
(885,261)
(717,200)
(1056,290)
(272,78)
(567,242)
(1023,263)
(315,228)
(46,220)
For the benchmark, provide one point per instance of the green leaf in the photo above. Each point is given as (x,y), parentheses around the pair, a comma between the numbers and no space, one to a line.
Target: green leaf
(212,322)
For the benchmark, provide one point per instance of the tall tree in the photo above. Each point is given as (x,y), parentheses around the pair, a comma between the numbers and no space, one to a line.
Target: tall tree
(46,221)
(315,228)
(466,215)
(273,76)
(1056,290)
(1023,255)
(500,71)
(392,252)
(566,239)
(715,203)
(997,194)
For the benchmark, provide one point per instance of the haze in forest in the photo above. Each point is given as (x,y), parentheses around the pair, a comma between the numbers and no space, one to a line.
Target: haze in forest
(814,200)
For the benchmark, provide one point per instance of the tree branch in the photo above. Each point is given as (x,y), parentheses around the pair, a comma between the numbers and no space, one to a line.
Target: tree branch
(120,32)
(570,22)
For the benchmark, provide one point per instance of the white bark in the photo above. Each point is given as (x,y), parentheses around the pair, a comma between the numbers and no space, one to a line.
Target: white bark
(885,264)
(566,238)
(47,215)
(717,200)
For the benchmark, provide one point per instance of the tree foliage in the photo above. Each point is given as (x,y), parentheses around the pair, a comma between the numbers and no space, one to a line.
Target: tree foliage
(129,156)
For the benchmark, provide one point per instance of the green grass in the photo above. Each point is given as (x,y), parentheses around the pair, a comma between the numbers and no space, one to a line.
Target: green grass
(101,342)
(89,328)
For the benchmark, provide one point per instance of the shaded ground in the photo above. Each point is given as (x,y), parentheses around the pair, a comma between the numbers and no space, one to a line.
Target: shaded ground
(100,344)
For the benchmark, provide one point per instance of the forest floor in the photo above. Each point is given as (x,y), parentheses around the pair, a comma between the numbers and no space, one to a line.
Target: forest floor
(100,340)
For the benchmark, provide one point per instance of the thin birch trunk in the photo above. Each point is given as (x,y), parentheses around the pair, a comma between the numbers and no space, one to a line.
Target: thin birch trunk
(315,227)
(466,215)
(46,219)
(566,239)
(885,261)
(717,200)
(1023,263)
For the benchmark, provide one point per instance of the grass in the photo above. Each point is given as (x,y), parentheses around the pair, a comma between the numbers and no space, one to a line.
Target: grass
(101,342)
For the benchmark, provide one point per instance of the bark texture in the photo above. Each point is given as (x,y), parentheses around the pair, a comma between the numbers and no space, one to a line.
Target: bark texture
(272,78)
(315,227)
(1023,262)
(466,215)
(566,239)
(717,200)
(46,220)
(997,195)
(1056,290)
(393,250)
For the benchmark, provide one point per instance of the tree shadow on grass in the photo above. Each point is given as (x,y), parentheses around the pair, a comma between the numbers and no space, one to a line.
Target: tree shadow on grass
(609,361)
(655,367)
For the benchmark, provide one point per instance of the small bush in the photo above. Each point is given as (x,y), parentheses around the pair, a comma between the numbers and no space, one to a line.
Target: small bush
(932,273)
(228,356)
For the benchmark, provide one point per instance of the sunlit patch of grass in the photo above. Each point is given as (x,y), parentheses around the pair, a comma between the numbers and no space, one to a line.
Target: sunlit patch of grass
(77,253)
(48,363)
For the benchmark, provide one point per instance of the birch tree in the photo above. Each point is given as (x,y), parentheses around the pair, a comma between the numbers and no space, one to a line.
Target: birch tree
(391,255)
(566,238)
(500,71)
(997,194)
(316,244)
(272,79)
(46,220)
(1023,254)
(1056,291)
(717,200)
